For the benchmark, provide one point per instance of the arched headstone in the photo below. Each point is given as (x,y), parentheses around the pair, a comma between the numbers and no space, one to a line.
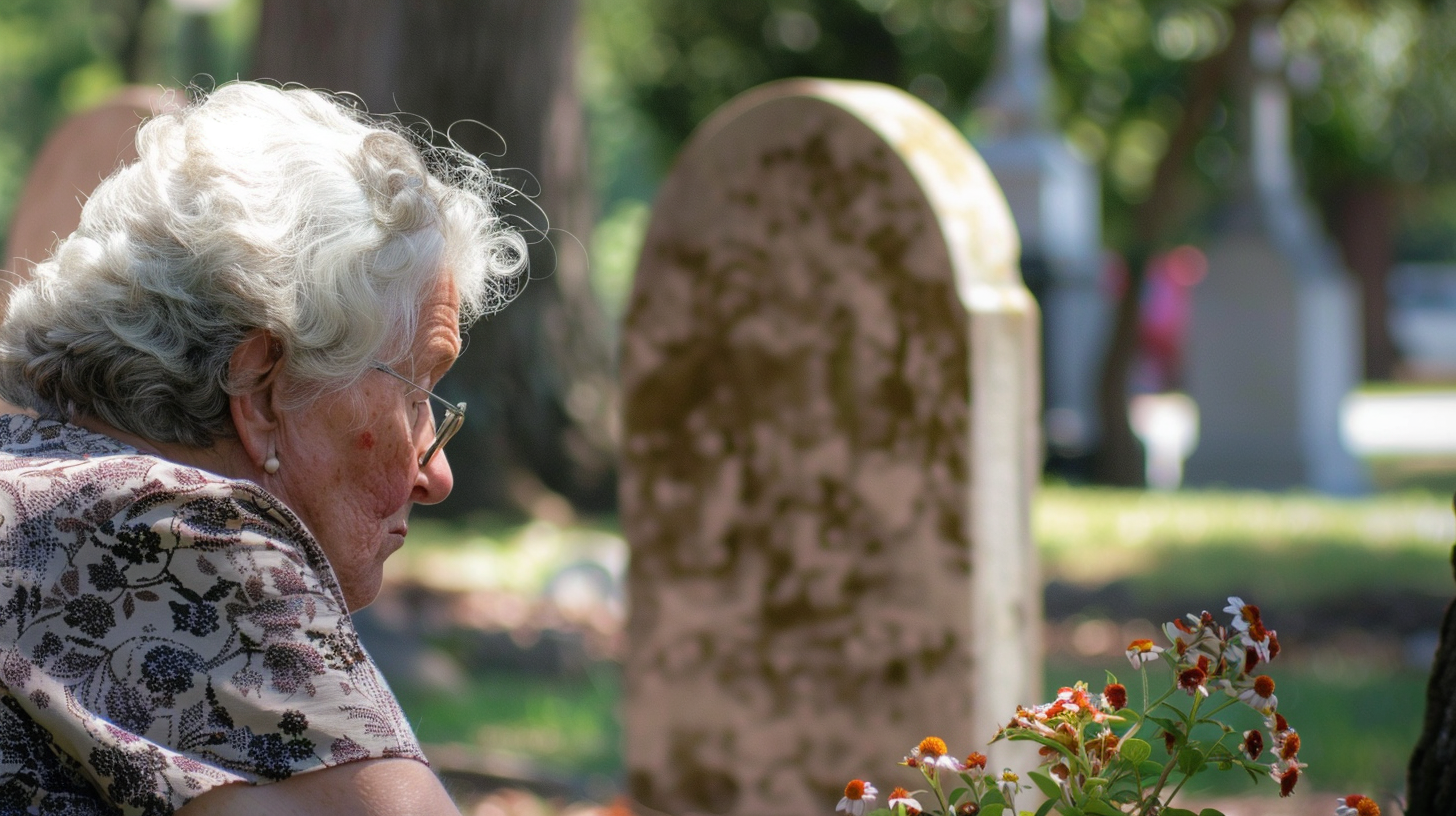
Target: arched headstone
(831,439)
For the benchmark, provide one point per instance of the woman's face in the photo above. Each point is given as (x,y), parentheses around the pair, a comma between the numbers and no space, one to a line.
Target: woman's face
(349,463)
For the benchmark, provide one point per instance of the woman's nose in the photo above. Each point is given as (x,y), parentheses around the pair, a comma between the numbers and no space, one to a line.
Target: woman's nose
(434,481)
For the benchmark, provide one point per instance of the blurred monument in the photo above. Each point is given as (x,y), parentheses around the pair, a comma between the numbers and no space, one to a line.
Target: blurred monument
(1274,340)
(1055,199)
(830,383)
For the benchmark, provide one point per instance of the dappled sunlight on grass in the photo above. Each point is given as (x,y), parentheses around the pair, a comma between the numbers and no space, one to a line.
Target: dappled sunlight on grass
(1355,588)
(1095,535)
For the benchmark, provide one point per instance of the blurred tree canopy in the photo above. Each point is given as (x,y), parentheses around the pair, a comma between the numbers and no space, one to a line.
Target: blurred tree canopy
(61,56)
(1374,97)
(1146,90)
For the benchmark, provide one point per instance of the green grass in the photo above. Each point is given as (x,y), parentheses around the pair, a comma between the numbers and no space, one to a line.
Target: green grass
(564,727)
(1357,709)
(1192,544)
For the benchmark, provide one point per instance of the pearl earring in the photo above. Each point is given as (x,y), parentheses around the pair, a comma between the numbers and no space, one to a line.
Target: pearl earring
(271,465)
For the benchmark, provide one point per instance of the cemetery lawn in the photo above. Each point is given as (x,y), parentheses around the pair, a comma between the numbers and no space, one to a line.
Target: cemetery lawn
(1355,587)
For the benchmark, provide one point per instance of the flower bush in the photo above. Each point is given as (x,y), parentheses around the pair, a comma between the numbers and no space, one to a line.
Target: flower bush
(1097,750)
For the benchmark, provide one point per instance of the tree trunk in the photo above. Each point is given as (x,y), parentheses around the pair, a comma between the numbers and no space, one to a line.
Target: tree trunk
(1361,215)
(1119,458)
(1431,777)
(538,376)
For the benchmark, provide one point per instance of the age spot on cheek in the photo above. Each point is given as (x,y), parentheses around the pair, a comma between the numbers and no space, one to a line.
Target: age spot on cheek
(366,440)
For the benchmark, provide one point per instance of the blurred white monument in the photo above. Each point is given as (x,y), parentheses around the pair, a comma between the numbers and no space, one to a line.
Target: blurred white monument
(1274,343)
(1167,425)
(1055,199)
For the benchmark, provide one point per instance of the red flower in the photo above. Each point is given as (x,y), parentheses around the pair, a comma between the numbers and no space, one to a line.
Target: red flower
(1253,744)
(1116,696)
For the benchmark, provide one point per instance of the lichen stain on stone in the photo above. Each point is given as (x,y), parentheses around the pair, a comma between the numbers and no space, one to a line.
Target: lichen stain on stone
(701,782)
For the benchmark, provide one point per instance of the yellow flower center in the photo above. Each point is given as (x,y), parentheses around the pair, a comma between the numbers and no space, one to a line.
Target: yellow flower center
(932,746)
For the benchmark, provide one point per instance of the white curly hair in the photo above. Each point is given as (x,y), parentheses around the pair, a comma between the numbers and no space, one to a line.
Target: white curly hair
(257,207)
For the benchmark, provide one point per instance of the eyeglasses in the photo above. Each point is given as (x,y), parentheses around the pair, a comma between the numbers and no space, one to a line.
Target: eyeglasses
(444,429)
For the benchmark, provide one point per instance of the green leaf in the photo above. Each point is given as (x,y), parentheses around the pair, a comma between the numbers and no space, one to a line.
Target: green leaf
(955,795)
(1190,761)
(993,797)
(1135,751)
(1220,752)
(1048,786)
(1171,726)
(1050,743)
(1046,807)
(1210,812)
(1097,807)
(1176,812)
(993,809)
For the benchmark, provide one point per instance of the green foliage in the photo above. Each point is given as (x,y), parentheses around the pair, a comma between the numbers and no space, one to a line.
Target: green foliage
(675,61)
(1136,751)
(60,56)
(51,59)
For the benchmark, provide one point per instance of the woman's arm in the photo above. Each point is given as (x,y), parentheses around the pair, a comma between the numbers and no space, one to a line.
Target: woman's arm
(374,787)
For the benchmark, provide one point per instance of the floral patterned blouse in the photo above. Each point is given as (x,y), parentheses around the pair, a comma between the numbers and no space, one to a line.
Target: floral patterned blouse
(164,630)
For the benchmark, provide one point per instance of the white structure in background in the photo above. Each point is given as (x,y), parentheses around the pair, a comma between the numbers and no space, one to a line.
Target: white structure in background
(1167,425)
(1274,342)
(1055,199)
(1400,424)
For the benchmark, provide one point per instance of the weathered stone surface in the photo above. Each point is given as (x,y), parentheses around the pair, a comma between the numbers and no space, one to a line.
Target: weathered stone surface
(830,443)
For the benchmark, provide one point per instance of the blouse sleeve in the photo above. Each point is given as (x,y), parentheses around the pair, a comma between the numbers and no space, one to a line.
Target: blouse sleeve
(195,638)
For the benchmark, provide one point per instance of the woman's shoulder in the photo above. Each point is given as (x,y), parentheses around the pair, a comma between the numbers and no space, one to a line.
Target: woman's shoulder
(69,496)
(240,660)
(56,465)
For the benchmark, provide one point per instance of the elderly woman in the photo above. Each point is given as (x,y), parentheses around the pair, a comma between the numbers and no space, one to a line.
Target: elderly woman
(232,361)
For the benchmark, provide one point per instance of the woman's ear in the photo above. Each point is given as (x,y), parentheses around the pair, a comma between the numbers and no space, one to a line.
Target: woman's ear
(254,369)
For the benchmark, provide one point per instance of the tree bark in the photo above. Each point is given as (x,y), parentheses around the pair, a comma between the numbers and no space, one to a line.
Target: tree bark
(1431,776)
(1361,215)
(538,376)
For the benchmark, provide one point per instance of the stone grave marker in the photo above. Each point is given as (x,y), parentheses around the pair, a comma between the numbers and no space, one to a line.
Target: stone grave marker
(1274,345)
(830,444)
